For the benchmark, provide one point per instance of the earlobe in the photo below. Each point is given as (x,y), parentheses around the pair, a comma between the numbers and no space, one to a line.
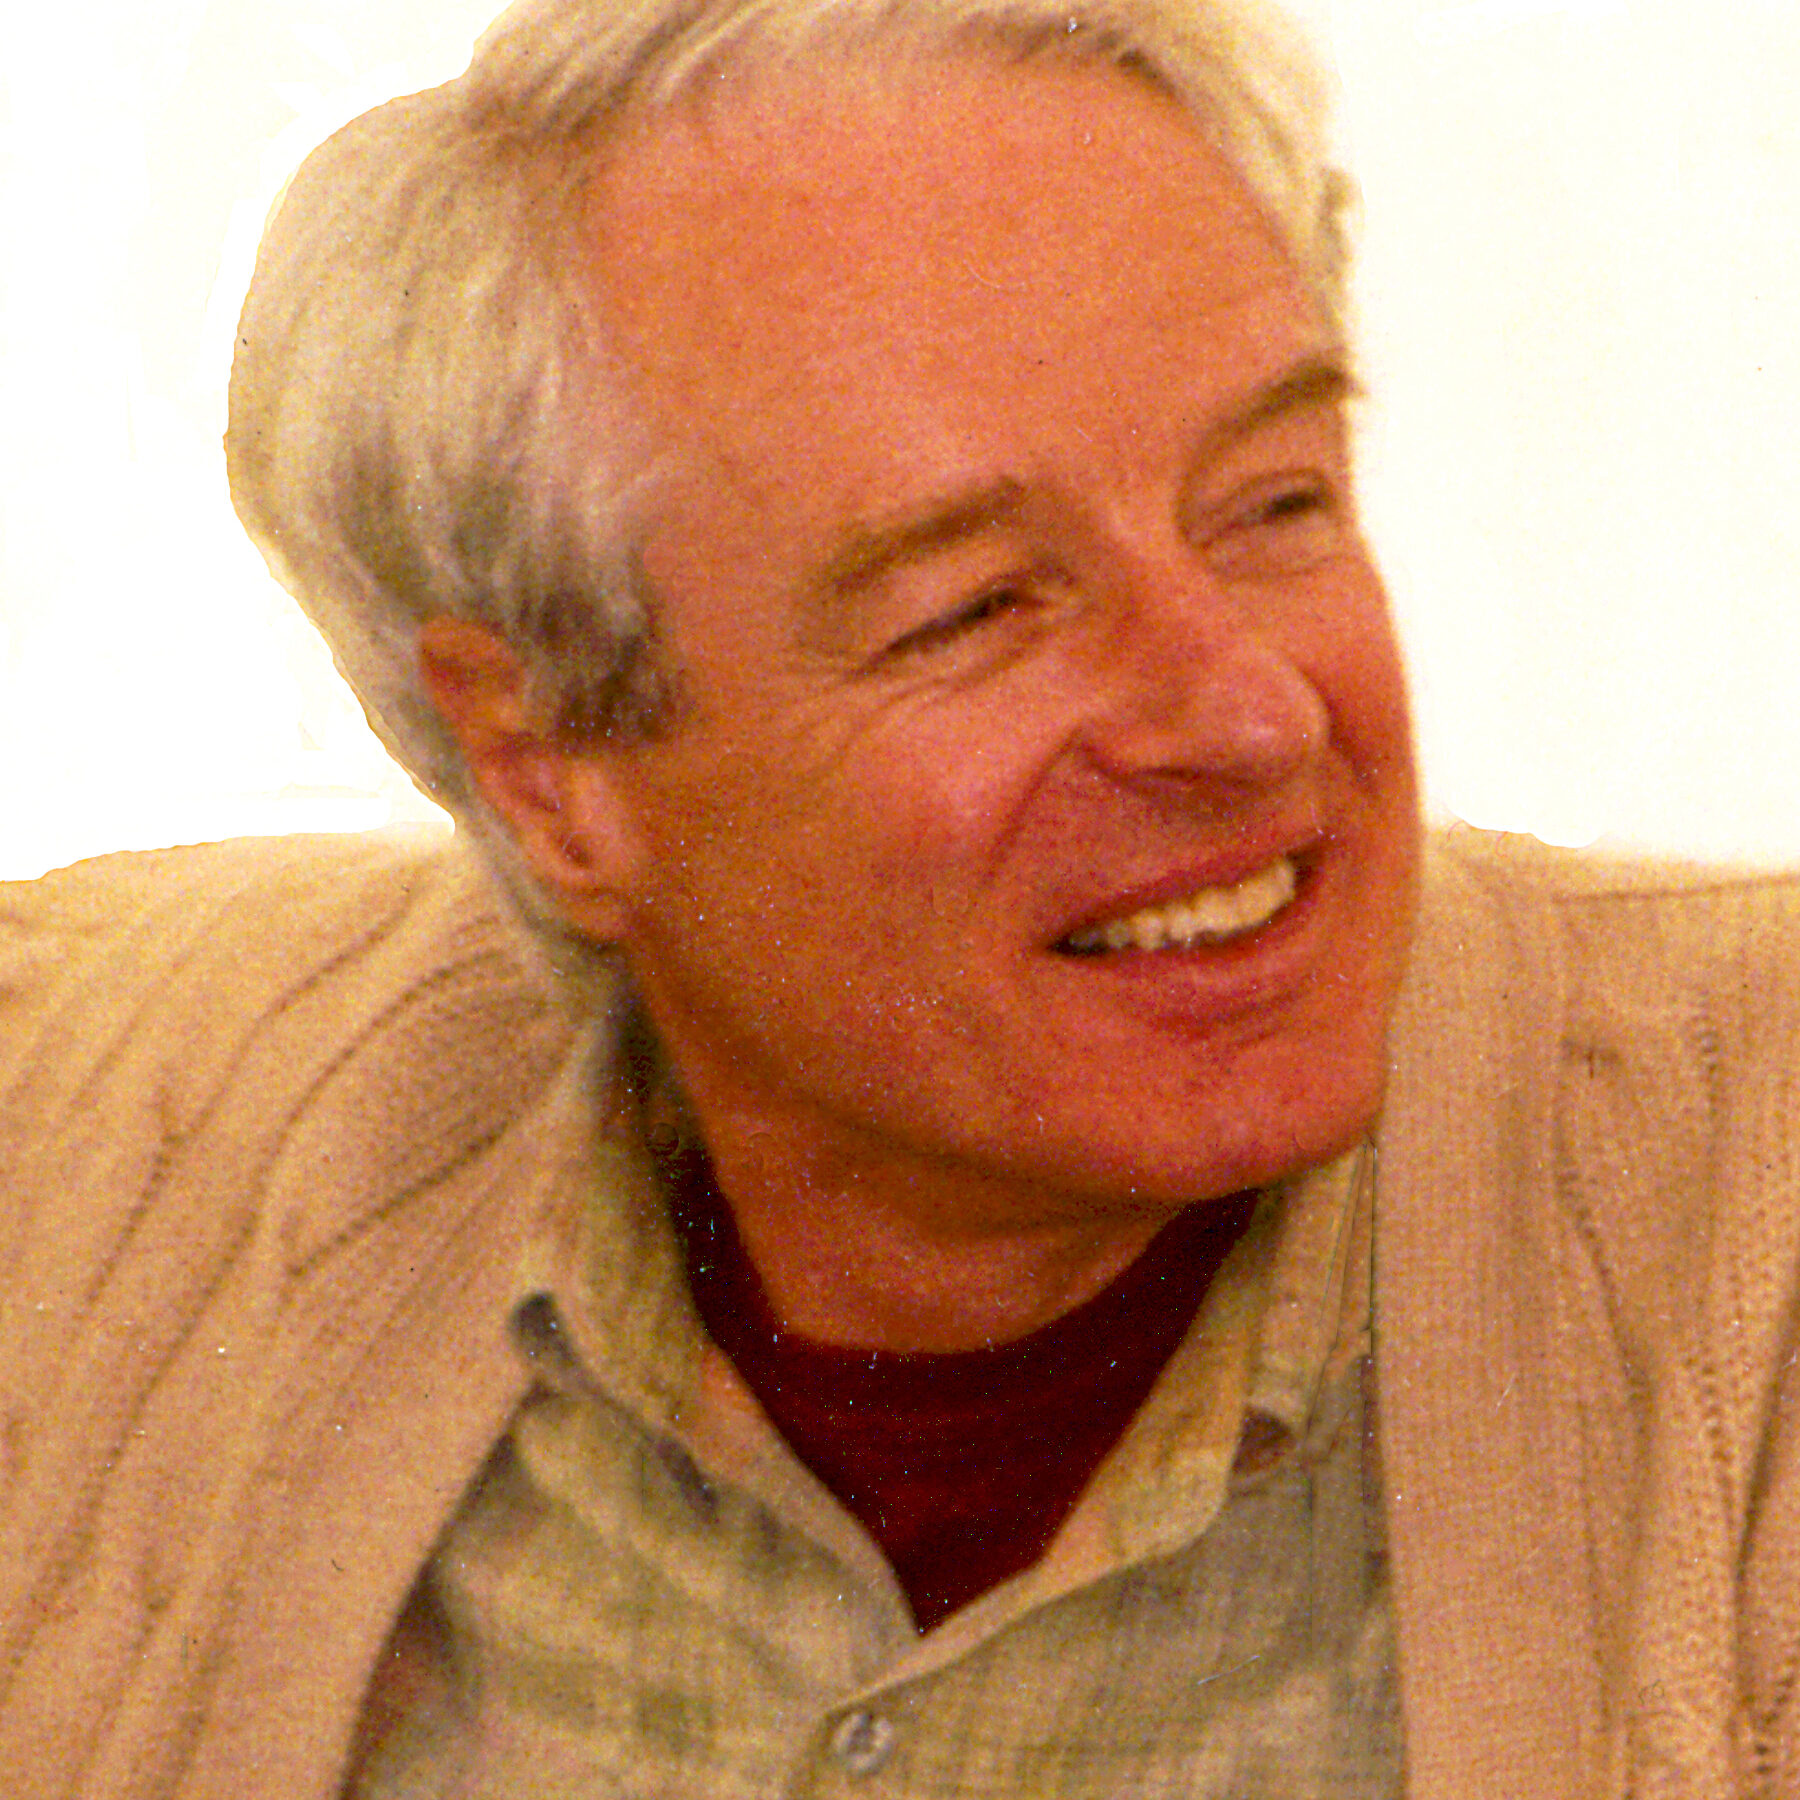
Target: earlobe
(560,805)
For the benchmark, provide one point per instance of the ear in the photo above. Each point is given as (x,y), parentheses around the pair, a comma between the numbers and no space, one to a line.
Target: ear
(562,804)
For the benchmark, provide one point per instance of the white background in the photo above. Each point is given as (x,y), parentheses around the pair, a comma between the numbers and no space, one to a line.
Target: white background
(1580,299)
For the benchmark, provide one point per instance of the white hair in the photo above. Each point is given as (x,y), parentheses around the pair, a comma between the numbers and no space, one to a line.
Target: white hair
(421,424)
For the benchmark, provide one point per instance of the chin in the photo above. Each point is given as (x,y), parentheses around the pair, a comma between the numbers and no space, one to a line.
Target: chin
(1295,1117)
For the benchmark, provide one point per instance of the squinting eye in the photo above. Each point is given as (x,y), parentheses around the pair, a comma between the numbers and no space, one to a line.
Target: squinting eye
(957,622)
(1295,503)
(1285,532)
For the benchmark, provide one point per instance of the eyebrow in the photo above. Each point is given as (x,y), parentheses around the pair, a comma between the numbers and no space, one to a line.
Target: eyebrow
(1319,381)
(872,551)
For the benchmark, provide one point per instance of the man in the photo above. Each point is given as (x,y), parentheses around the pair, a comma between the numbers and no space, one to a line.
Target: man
(890,1281)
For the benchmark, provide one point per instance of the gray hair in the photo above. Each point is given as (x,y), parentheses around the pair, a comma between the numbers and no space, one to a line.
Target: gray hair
(421,423)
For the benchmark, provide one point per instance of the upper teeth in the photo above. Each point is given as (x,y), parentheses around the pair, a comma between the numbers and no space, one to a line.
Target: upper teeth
(1211,914)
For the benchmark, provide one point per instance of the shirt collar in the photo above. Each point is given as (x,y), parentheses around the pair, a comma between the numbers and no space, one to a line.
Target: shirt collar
(1288,1311)
(606,1257)
(1284,1314)
(1315,1319)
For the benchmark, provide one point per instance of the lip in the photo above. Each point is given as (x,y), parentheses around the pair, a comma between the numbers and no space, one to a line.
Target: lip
(1243,858)
(1239,984)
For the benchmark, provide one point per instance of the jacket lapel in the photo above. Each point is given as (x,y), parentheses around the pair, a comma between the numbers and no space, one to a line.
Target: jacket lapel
(1500,1671)
(385,1380)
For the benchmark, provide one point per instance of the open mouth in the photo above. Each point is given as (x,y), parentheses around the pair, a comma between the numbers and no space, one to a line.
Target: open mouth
(1210,915)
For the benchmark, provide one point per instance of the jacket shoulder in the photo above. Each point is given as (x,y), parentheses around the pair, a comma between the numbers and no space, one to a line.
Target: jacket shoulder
(1625,921)
(1660,1002)
(1682,977)
(1512,863)
(209,1008)
(196,938)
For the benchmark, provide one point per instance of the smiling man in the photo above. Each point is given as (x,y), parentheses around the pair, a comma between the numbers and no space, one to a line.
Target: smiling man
(1033,849)
(954,1205)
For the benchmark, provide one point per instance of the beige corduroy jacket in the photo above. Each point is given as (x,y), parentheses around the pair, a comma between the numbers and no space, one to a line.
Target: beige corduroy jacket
(273,1116)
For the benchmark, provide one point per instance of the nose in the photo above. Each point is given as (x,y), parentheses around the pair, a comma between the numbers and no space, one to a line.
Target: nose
(1193,693)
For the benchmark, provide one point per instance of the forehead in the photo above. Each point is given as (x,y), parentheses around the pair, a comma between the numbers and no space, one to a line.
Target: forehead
(883,178)
(884,273)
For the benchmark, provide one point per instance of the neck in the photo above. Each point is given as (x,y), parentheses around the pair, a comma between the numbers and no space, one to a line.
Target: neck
(848,1259)
(841,1270)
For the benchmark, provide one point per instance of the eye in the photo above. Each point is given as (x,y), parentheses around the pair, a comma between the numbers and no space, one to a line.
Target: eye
(1294,503)
(1285,528)
(958,622)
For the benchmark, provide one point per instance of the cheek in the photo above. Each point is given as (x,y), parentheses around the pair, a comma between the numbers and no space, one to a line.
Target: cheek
(1347,645)
(937,791)
(806,842)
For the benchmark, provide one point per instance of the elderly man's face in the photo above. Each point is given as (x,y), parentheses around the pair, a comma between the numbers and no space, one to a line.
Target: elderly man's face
(1042,825)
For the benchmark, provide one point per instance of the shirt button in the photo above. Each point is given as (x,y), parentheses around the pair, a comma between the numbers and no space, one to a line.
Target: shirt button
(863,1741)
